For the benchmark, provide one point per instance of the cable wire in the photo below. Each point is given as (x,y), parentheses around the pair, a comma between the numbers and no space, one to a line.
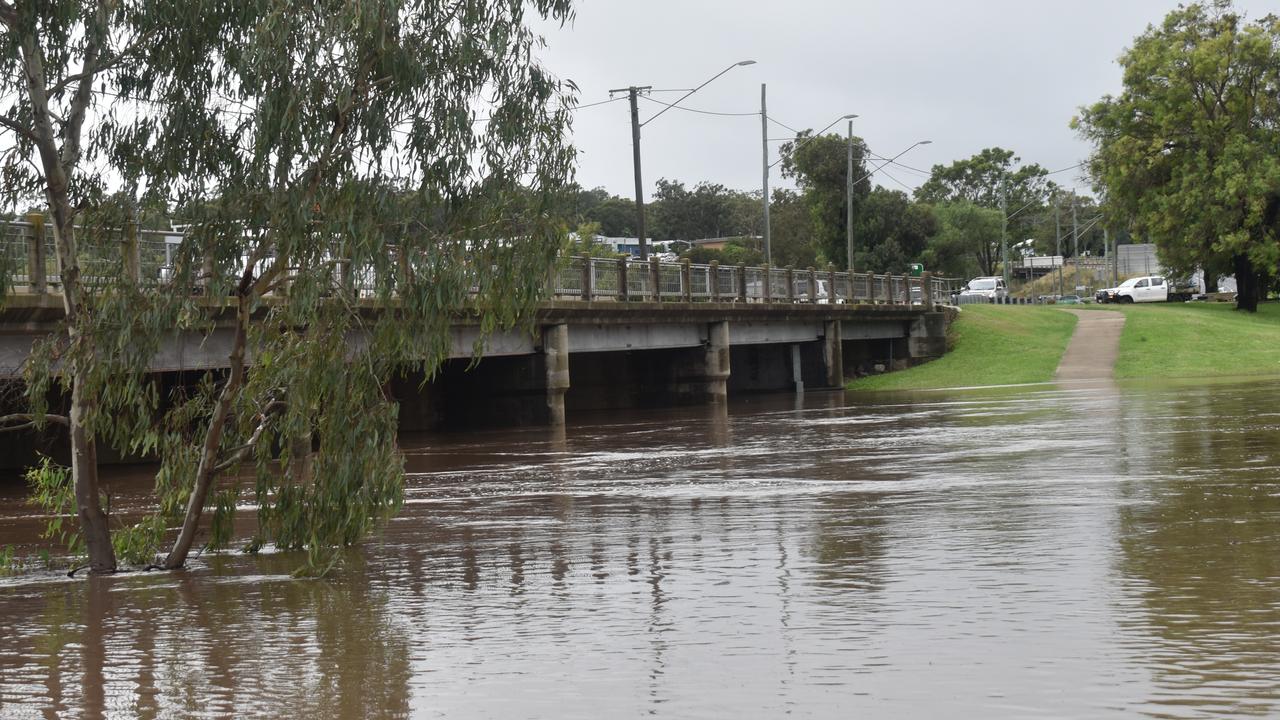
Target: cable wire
(694,110)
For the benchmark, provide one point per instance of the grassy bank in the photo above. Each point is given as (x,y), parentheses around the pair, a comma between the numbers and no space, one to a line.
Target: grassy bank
(992,345)
(1198,340)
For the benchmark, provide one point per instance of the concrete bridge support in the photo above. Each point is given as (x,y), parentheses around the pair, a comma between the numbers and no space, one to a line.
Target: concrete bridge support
(927,339)
(833,353)
(555,349)
(717,362)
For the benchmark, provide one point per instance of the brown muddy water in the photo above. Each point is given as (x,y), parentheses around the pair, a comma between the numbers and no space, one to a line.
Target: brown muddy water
(1027,552)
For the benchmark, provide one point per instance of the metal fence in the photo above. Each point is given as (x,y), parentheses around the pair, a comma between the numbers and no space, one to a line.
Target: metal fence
(149,256)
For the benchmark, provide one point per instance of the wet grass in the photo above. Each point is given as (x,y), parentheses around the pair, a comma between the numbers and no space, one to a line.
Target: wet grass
(991,345)
(1198,340)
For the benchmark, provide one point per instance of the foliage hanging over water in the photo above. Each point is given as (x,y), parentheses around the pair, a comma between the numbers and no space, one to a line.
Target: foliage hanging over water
(326,161)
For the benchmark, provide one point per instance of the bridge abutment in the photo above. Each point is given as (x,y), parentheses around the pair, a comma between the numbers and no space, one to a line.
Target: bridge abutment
(927,339)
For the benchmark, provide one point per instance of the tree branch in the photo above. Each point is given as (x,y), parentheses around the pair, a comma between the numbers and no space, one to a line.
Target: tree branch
(95,38)
(240,453)
(19,128)
(102,65)
(24,421)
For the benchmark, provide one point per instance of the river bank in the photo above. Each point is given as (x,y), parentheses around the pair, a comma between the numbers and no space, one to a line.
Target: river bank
(1008,345)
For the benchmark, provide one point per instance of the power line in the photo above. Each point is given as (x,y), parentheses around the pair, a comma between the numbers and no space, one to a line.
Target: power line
(782,124)
(886,174)
(918,171)
(695,110)
(595,104)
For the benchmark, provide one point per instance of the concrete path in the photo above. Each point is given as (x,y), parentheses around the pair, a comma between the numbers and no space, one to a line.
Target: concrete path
(1092,352)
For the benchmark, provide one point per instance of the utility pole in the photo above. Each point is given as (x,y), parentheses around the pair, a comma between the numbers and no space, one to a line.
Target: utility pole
(1111,251)
(1057,224)
(1075,237)
(1004,235)
(1075,232)
(848,197)
(633,92)
(764,145)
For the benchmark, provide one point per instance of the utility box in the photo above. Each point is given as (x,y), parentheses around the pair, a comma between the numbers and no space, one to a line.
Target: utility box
(917,269)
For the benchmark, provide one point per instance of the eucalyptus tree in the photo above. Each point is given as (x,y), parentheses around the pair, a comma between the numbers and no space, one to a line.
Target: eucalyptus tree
(989,179)
(1187,151)
(820,168)
(345,201)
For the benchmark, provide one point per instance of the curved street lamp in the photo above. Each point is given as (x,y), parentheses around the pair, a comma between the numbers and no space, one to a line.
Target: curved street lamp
(848,191)
(764,141)
(633,92)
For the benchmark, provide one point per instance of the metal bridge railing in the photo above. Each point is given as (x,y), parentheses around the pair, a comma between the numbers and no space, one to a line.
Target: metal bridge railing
(28,255)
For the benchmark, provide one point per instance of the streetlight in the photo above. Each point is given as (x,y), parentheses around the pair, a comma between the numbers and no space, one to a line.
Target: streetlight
(764,140)
(633,92)
(848,191)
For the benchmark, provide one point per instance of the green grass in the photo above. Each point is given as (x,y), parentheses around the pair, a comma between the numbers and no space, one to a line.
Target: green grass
(992,345)
(1198,340)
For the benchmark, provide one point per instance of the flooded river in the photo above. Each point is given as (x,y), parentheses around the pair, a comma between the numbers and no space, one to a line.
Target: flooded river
(1013,553)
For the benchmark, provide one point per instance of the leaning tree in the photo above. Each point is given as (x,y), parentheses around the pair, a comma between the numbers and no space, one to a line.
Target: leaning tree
(353,176)
(1186,153)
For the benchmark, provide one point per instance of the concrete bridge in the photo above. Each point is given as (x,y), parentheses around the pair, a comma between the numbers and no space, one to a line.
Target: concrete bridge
(614,333)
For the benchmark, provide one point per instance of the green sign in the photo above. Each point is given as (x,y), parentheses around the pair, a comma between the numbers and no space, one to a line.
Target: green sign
(917,269)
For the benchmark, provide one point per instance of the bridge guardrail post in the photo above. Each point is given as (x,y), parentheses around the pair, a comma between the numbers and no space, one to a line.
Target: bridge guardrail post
(686,280)
(588,278)
(813,285)
(131,252)
(831,284)
(742,282)
(926,290)
(655,278)
(715,281)
(37,279)
(766,278)
(791,284)
(622,280)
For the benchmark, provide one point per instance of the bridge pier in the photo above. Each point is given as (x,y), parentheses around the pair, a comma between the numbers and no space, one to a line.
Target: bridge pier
(555,349)
(717,361)
(833,353)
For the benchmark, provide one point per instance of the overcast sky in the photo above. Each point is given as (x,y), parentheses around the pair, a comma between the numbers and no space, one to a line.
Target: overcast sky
(966,74)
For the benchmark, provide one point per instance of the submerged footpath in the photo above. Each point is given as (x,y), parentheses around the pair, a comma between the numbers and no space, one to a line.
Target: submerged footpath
(1094,347)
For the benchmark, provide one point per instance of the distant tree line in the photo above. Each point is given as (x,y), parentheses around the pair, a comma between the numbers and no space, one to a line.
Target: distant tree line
(951,223)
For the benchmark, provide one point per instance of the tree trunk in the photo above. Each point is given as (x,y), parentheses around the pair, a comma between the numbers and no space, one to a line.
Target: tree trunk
(84,476)
(58,166)
(300,459)
(1210,282)
(206,471)
(1246,284)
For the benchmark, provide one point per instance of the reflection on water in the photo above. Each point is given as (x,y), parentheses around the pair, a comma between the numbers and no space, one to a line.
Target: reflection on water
(1029,552)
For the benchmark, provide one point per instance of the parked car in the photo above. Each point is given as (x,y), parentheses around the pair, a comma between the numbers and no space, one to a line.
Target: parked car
(991,288)
(1148,288)
(1070,300)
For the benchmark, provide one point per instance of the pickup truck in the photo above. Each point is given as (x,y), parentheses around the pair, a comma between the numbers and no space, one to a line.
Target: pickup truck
(1149,288)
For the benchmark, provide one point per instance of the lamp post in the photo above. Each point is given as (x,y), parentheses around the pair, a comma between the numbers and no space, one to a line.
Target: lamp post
(848,191)
(633,92)
(764,140)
